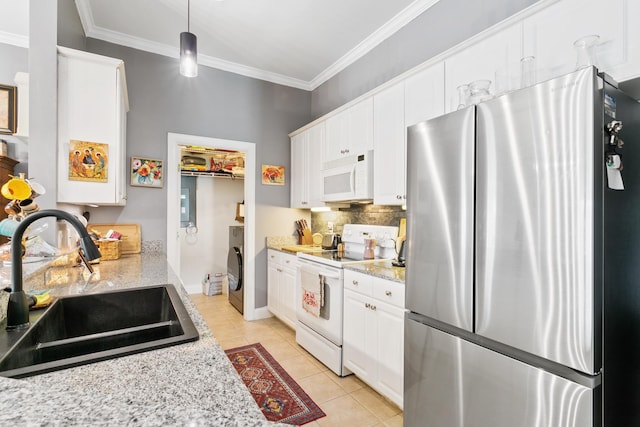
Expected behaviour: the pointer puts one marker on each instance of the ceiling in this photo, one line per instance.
(298, 43)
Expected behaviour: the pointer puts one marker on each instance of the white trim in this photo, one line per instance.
(391, 27)
(514, 19)
(174, 140)
(388, 29)
(14, 39)
(262, 313)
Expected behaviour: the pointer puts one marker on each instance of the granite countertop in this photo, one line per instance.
(187, 384)
(382, 269)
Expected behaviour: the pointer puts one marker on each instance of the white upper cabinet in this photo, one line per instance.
(350, 132)
(92, 106)
(418, 98)
(549, 35)
(424, 95)
(299, 187)
(389, 144)
(496, 55)
(306, 167)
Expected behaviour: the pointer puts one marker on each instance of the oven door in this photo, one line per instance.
(320, 286)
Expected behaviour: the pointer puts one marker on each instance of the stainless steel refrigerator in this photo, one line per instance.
(523, 260)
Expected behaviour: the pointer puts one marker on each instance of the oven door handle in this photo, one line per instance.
(324, 273)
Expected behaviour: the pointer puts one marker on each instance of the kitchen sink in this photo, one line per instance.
(82, 329)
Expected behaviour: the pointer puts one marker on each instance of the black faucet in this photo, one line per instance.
(18, 307)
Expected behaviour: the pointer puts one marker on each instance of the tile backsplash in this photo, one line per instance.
(357, 214)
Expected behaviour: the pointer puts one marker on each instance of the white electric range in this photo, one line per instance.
(320, 285)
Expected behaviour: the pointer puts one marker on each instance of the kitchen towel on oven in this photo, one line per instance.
(312, 293)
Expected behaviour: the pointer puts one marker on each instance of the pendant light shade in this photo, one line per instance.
(188, 54)
(188, 50)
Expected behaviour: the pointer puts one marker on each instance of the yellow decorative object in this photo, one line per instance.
(16, 189)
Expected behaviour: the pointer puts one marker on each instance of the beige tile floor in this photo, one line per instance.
(347, 401)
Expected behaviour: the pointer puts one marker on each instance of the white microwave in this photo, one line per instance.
(348, 178)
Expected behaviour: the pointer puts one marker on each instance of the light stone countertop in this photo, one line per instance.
(382, 269)
(187, 384)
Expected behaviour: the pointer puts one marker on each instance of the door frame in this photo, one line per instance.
(172, 175)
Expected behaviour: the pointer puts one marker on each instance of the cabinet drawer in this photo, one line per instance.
(274, 256)
(389, 292)
(361, 283)
(288, 261)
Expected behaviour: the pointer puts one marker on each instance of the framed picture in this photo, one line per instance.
(88, 161)
(146, 172)
(8, 109)
(272, 175)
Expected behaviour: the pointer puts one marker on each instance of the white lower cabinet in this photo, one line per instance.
(373, 337)
(281, 286)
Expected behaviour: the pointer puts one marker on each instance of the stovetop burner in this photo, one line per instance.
(353, 238)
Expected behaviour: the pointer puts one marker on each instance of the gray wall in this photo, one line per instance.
(70, 31)
(441, 27)
(216, 104)
(14, 59)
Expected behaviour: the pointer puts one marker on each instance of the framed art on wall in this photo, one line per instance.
(8, 109)
(88, 161)
(146, 172)
(272, 175)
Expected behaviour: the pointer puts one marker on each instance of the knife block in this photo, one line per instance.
(306, 238)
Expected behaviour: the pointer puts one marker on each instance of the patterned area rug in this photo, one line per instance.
(277, 394)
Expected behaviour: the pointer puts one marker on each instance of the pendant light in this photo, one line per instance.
(188, 50)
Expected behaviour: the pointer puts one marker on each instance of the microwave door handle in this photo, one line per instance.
(353, 179)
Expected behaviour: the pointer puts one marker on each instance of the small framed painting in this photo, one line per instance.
(146, 172)
(8, 109)
(272, 175)
(88, 161)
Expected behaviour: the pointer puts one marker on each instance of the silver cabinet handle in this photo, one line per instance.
(387, 293)
(373, 307)
(355, 282)
(367, 305)
(279, 270)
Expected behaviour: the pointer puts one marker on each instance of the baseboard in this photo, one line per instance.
(261, 313)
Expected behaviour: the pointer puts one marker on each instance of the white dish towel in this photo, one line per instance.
(312, 292)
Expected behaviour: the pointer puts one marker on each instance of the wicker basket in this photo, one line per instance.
(110, 249)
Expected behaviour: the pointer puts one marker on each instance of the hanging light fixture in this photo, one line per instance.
(188, 50)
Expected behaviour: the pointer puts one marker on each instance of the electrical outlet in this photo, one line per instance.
(330, 226)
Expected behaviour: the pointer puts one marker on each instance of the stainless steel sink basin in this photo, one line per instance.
(77, 330)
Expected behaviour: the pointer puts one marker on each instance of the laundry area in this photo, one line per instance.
(211, 220)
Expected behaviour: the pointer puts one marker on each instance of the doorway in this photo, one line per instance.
(173, 176)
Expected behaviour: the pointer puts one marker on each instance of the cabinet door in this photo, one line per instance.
(299, 171)
(314, 160)
(287, 296)
(498, 54)
(359, 340)
(273, 286)
(360, 127)
(389, 139)
(337, 135)
(91, 109)
(390, 351)
(549, 35)
(424, 95)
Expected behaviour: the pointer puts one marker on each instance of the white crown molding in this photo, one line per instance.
(388, 29)
(14, 39)
(407, 15)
